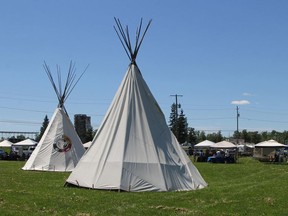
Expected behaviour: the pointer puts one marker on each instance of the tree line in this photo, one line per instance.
(179, 126)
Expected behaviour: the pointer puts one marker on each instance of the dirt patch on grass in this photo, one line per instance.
(179, 210)
(269, 201)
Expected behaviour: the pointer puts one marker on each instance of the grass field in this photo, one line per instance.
(246, 188)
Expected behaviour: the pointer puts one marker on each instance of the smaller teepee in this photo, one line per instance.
(60, 148)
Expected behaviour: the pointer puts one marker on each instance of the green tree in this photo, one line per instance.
(182, 128)
(89, 135)
(256, 137)
(244, 134)
(201, 136)
(215, 137)
(265, 136)
(192, 136)
(43, 128)
(178, 124)
(173, 119)
(284, 138)
(21, 137)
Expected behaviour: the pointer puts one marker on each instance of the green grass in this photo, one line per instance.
(246, 188)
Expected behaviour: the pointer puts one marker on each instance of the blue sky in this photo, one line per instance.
(217, 54)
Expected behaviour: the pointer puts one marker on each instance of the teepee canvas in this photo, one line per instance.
(134, 149)
(60, 148)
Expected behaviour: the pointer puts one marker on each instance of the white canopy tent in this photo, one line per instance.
(24, 146)
(26, 142)
(268, 150)
(6, 144)
(269, 144)
(134, 149)
(245, 149)
(204, 144)
(223, 145)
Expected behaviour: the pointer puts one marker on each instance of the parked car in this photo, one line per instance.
(2, 154)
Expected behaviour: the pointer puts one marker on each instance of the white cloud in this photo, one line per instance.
(240, 102)
(247, 94)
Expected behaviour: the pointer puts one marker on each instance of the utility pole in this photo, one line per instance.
(177, 106)
(238, 115)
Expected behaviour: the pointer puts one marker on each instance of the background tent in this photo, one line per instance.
(26, 142)
(201, 151)
(269, 144)
(223, 152)
(24, 148)
(6, 144)
(223, 145)
(134, 149)
(204, 144)
(270, 150)
(245, 149)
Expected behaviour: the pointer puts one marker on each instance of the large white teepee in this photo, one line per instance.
(134, 150)
(60, 147)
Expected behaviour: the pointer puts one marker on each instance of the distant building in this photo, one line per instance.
(82, 124)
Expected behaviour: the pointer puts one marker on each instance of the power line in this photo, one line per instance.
(280, 112)
(27, 110)
(22, 132)
(272, 121)
(20, 122)
(25, 99)
(208, 109)
(212, 118)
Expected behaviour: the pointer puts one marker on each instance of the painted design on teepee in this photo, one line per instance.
(62, 144)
